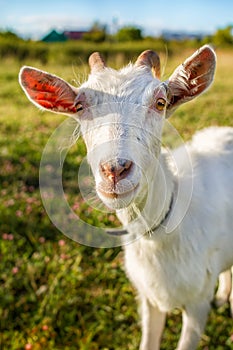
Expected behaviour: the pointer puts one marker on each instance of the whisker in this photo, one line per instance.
(164, 66)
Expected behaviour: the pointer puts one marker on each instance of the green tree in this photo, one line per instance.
(97, 33)
(9, 35)
(129, 33)
(223, 36)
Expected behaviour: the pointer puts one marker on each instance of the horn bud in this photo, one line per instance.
(96, 62)
(151, 60)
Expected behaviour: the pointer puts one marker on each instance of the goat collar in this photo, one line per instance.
(153, 229)
(122, 231)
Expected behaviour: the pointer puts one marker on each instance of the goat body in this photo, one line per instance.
(121, 115)
(180, 269)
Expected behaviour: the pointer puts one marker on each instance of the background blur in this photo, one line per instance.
(56, 294)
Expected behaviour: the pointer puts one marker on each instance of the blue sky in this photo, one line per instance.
(36, 18)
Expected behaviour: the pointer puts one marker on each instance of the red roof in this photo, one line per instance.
(74, 35)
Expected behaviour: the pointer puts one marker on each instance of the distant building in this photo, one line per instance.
(54, 36)
(182, 35)
(74, 35)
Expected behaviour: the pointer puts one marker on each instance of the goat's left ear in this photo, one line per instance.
(48, 91)
(191, 78)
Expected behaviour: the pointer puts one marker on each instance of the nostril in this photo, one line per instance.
(125, 165)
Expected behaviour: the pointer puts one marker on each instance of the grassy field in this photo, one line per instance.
(56, 294)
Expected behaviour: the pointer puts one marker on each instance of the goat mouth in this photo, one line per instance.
(113, 194)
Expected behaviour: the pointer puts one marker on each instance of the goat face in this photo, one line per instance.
(121, 114)
(122, 134)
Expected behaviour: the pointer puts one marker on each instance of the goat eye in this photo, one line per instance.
(160, 104)
(79, 107)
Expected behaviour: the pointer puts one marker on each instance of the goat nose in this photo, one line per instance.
(116, 170)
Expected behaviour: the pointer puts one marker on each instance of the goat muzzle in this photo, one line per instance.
(114, 171)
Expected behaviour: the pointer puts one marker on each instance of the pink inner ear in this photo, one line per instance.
(48, 91)
(201, 68)
(191, 78)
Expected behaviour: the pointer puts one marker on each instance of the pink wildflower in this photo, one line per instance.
(19, 213)
(41, 239)
(15, 270)
(61, 242)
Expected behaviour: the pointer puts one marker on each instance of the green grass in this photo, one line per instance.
(56, 294)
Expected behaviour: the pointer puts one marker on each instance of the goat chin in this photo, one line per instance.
(118, 200)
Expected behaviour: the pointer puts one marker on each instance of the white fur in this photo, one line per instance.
(176, 269)
(181, 269)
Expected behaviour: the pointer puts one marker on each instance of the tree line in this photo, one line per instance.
(125, 43)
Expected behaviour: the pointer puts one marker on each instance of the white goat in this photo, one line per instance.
(121, 114)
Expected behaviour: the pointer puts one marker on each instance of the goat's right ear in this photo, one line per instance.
(47, 91)
(191, 78)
